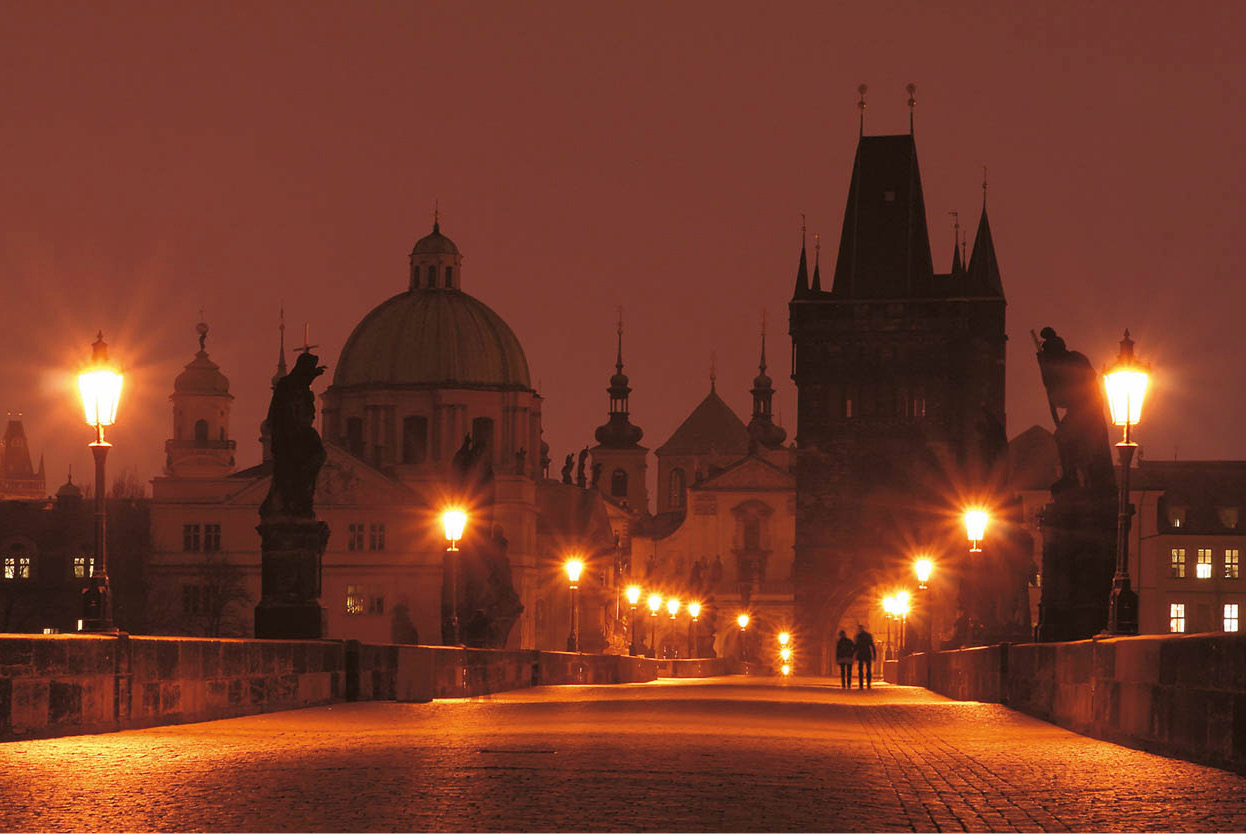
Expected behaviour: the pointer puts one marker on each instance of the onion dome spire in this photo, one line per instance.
(618, 432)
(761, 429)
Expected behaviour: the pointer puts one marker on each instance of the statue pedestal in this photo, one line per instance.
(1079, 559)
(291, 553)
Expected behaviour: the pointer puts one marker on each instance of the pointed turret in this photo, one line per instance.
(802, 271)
(958, 266)
(618, 432)
(817, 271)
(618, 450)
(983, 277)
(761, 429)
(18, 479)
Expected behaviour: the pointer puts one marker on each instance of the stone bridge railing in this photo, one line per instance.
(54, 685)
(1177, 695)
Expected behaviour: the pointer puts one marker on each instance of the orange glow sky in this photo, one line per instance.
(166, 157)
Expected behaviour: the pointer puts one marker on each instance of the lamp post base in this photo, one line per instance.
(1122, 608)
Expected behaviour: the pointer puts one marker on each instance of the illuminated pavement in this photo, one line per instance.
(722, 755)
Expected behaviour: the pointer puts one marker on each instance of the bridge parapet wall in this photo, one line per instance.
(1177, 695)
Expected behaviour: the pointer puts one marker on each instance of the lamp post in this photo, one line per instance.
(889, 608)
(694, 609)
(100, 387)
(672, 608)
(655, 605)
(923, 568)
(902, 611)
(633, 597)
(574, 568)
(742, 621)
(1126, 383)
(976, 520)
(454, 521)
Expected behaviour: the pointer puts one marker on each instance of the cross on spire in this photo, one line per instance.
(306, 347)
(713, 369)
(861, 106)
(912, 91)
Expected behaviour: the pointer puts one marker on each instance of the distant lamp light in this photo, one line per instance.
(694, 609)
(574, 568)
(784, 638)
(633, 594)
(655, 603)
(454, 521)
(742, 621)
(786, 670)
(889, 606)
(1126, 383)
(902, 604)
(672, 607)
(785, 653)
(975, 528)
(923, 568)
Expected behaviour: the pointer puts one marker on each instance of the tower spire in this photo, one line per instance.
(761, 428)
(802, 271)
(618, 364)
(817, 258)
(957, 264)
(912, 91)
(984, 188)
(861, 108)
(436, 216)
(713, 370)
(281, 346)
(762, 366)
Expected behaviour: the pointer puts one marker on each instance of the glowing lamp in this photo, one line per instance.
(889, 606)
(786, 670)
(454, 521)
(784, 638)
(574, 567)
(975, 528)
(633, 594)
(672, 607)
(694, 609)
(902, 603)
(785, 653)
(100, 387)
(923, 569)
(655, 603)
(742, 621)
(1126, 383)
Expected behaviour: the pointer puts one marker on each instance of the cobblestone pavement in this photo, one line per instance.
(729, 754)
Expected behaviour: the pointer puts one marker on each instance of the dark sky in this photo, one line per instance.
(164, 157)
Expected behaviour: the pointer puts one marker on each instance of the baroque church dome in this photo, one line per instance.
(434, 334)
(202, 375)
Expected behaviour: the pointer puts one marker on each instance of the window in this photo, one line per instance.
(1228, 517)
(679, 483)
(84, 566)
(211, 538)
(1230, 616)
(449, 277)
(919, 402)
(16, 566)
(201, 432)
(354, 600)
(850, 403)
(1176, 617)
(618, 483)
(376, 536)
(1176, 516)
(354, 537)
(432, 276)
(752, 534)
(10, 567)
(1230, 563)
(1177, 564)
(190, 538)
(1202, 570)
(414, 439)
(354, 436)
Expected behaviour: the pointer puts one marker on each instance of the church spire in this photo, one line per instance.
(761, 428)
(618, 431)
(957, 265)
(281, 349)
(983, 269)
(802, 271)
(817, 258)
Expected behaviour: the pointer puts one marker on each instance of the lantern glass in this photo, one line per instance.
(1126, 387)
(633, 594)
(784, 637)
(101, 394)
(902, 603)
(655, 602)
(889, 606)
(694, 608)
(975, 524)
(454, 521)
(923, 569)
(742, 621)
(672, 606)
(574, 567)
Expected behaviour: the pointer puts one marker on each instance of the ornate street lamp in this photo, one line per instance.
(574, 568)
(672, 608)
(742, 620)
(1126, 383)
(975, 528)
(454, 520)
(655, 605)
(633, 598)
(889, 608)
(100, 387)
(923, 568)
(902, 611)
(694, 610)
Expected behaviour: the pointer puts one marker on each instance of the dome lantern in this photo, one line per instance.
(435, 262)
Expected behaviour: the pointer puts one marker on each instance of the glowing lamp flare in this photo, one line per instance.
(574, 567)
(923, 568)
(655, 603)
(1126, 383)
(454, 521)
(633, 594)
(784, 638)
(100, 387)
(889, 606)
(786, 670)
(785, 653)
(742, 621)
(902, 603)
(672, 607)
(694, 608)
(975, 528)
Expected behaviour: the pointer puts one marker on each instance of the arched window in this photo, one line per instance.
(201, 432)
(679, 484)
(618, 484)
(482, 435)
(432, 276)
(449, 277)
(414, 439)
(354, 436)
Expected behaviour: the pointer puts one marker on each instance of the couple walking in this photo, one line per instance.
(861, 649)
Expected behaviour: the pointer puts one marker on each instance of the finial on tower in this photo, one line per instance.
(618, 363)
(763, 341)
(984, 187)
(817, 263)
(802, 230)
(713, 370)
(861, 90)
(911, 89)
(436, 216)
(202, 329)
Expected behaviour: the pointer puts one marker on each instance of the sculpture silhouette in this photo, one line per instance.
(567, 466)
(1081, 434)
(298, 453)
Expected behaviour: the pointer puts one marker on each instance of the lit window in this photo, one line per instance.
(1230, 616)
(190, 538)
(1203, 569)
(211, 538)
(23, 567)
(1176, 617)
(10, 567)
(1176, 516)
(1231, 563)
(354, 599)
(1177, 569)
(83, 566)
(354, 537)
(376, 537)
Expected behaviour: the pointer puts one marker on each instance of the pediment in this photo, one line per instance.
(344, 480)
(750, 473)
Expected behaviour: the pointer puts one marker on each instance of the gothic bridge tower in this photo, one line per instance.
(900, 396)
